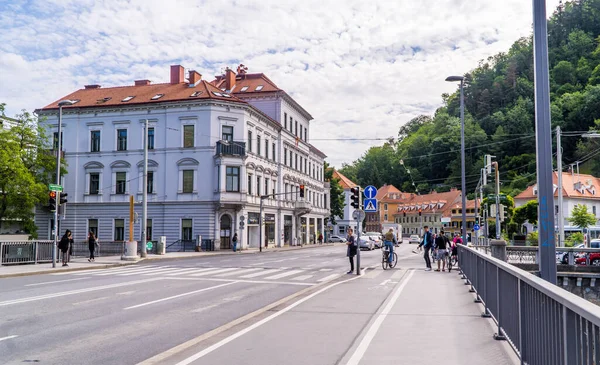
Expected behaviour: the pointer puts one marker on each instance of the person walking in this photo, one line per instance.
(92, 242)
(234, 240)
(65, 242)
(441, 244)
(351, 252)
(389, 241)
(427, 243)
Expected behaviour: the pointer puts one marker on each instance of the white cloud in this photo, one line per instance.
(372, 64)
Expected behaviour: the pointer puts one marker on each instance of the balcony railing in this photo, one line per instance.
(231, 148)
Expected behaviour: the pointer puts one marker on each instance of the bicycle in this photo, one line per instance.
(385, 254)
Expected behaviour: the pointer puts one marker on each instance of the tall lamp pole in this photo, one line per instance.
(57, 199)
(543, 141)
(145, 191)
(462, 154)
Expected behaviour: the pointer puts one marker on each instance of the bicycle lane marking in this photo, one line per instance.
(374, 328)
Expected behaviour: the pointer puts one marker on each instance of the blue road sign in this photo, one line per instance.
(476, 227)
(370, 192)
(370, 205)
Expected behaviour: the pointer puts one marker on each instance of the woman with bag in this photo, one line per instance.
(351, 252)
(92, 243)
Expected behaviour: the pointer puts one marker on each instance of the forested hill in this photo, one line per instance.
(499, 115)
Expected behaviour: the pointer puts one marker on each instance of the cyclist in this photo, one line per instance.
(441, 243)
(389, 241)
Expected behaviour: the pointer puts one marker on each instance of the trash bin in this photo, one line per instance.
(161, 245)
(198, 247)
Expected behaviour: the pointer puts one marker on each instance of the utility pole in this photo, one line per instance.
(561, 219)
(145, 191)
(483, 181)
(498, 227)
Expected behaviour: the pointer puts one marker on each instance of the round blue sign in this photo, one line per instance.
(476, 227)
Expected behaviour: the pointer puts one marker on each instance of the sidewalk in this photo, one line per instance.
(81, 263)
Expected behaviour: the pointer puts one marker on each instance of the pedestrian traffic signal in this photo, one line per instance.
(477, 220)
(355, 197)
(302, 191)
(63, 198)
(419, 212)
(52, 200)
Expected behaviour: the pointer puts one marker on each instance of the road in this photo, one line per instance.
(270, 308)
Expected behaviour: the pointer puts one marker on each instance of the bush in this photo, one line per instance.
(574, 239)
(532, 238)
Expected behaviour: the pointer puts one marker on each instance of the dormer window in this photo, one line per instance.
(217, 93)
(127, 99)
(259, 88)
(103, 100)
(195, 94)
(157, 96)
(244, 89)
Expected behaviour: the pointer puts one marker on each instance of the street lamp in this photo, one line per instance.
(462, 154)
(58, 150)
(144, 252)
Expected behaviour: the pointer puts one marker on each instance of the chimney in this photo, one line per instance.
(194, 77)
(177, 74)
(142, 82)
(229, 79)
(92, 86)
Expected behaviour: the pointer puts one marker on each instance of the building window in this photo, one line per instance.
(594, 210)
(232, 181)
(286, 191)
(95, 138)
(291, 124)
(285, 156)
(266, 148)
(296, 161)
(385, 207)
(296, 133)
(342, 229)
(186, 229)
(301, 131)
(258, 185)
(249, 184)
(119, 230)
(121, 182)
(285, 120)
(150, 186)
(305, 167)
(249, 141)
(121, 139)
(305, 133)
(385, 216)
(55, 141)
(273, 151)
(94, 183)
(148, 229)
(258, 145)
(93, 227)
(188, 136)
(227, 134)
(188, 181)
(151, 138)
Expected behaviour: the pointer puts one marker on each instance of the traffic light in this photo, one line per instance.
(63, 198)
(419, 212)
(355, 197)
(52, 200)
(302, 191)
(404, 214)
(477, 220)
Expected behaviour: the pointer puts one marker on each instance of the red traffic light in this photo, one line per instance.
(52, 194)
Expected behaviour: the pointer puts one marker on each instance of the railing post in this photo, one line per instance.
(521, 341)
(571, 258)
(498, 336)
(35, 252)
(498, 248)
(486, 312)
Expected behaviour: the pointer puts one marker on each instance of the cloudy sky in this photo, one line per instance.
(361, 68)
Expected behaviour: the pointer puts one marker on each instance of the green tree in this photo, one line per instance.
(527, 212)
(336, 195)
(26, 168)
(581, 218)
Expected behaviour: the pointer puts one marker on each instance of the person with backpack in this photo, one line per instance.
(427, 244)
(234, 240)
(441, 245)
(352, 248)
(389, 242)
(65, 243)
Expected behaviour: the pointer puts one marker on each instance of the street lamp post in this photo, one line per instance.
(57, 200)
(462, 153)
(145, 192)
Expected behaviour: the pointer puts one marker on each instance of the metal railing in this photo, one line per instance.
(108, 248)
(544, 324)
(25, 252)
(231, 148)
(530, 254)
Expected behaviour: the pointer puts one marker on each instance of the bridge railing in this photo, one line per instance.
(530, 254)
(545, 324)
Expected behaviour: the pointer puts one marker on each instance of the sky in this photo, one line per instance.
(361, 68)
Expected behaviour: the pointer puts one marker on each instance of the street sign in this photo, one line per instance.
(370, 192)
(149, 245)
(358, 214)
(476, 227)
(370, 205)
(54, 187)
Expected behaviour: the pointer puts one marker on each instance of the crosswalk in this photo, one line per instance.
(222, 273)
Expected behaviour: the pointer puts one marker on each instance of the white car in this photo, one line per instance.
(334, 239)
(414, 239)
(366, 243)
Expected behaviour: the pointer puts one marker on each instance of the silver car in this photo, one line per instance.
(336, 239)
(366, 243)
(414, 239)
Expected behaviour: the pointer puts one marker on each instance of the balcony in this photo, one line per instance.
(303, 207)
(231, 148)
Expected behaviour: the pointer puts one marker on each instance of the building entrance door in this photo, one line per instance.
(225, 232)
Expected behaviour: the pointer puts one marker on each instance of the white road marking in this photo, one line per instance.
(330, 277)
(227, 340)
(86, 272)
(284, 274)
(385, 282)
(53, 282)
(302, 277)
(121, 271)
(245, 281)
(91, 300)
(8, 337)
(397, 275)
(240, 272)
(216, 271)
(182, 272)
(71, 292)
(160, 271)
(179, 295)
(326, 270)
(260, 273)
(366, 341)
(142, 271)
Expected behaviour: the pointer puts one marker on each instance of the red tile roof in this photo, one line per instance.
(345, 183)
(588, 186)
(383, 191)
(251, 81)
(430, 202)
(113, 96)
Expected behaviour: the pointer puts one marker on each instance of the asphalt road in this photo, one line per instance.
(130, 314)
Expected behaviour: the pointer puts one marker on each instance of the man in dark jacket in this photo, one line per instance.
(65, 242)
(427, 244)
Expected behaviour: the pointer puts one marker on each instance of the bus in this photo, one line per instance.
(593, 232)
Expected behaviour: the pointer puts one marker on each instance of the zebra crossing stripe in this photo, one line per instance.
(302, 277)
(330, 277)
(160, 271)
(326, 270)
(260, 273)
(216, 271)
(114, 272)
(182, 272)
(139, 272)
(244, 271)
(283, 275)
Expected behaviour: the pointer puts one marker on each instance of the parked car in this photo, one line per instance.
(563, 257)
(414, 239)
(594, 257)
(336, 239)
(375, 237)
(366, 243)
(595, 243)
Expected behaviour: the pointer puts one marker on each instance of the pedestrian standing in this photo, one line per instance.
(92, 242)
(427, 244)
(64, 245)
(351, 252)
(441, 244)
(234, 240)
